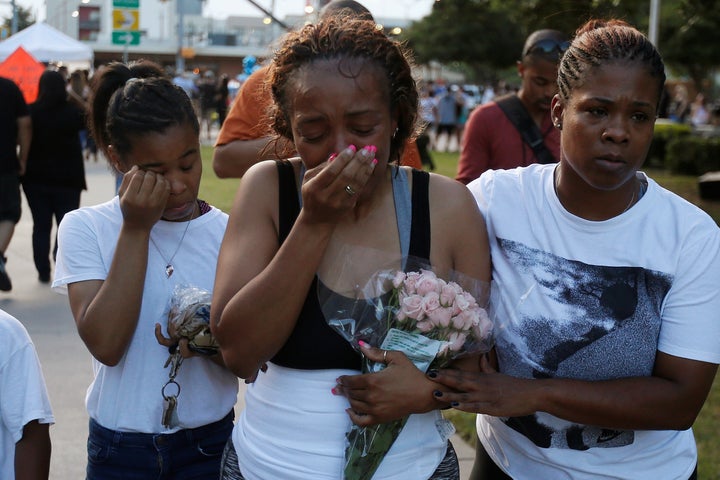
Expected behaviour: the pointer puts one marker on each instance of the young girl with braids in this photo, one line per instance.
(345, 96)
(119, 263)
(608, 284)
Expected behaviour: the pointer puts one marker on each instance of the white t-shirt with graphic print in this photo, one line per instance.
(595, 300)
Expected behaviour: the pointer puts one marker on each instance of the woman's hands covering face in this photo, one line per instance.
(331, 190)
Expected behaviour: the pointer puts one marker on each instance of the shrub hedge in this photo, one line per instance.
(676, 148)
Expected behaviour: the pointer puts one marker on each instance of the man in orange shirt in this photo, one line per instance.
(245, 134)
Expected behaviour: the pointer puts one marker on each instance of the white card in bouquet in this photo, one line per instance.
(419, 349)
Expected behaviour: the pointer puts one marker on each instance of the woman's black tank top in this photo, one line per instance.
(313, 345)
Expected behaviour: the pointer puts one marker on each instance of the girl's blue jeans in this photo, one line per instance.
(184, 455)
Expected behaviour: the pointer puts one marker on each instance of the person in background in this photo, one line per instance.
(78, 93)
(679, 109)
(152, 415)
(186, 81)
(492, 139)
(55, 173)
(245, 135)
(463, 111)
(428, 111)
(607, 354)
(290, 223)
(207, 99)
(15, 137)
(699, 114)
(221, 98)
(25, 411)
(447, 107)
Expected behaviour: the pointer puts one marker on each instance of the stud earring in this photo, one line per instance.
(558, 125)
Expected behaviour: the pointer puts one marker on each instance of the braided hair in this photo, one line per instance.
(348, 40)
(599, 42)
(132, 100)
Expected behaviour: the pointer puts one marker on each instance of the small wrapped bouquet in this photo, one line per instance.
(431, 320)
(189, 317)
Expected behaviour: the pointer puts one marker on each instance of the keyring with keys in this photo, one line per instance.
(169, 416)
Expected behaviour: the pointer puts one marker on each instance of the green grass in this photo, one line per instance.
(220, 193)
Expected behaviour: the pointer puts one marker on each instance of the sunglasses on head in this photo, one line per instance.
(547, 46)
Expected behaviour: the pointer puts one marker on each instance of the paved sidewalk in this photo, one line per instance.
(66, 363)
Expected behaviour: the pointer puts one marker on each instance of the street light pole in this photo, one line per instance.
(14, 22)
(654, 21)
(179, 59)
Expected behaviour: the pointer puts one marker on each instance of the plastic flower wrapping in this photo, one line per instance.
(189, 317)
(432, 320)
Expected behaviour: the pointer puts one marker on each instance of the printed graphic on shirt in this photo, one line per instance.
(574, 320)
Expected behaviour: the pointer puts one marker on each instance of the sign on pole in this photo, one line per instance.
(126, 22)
(126, 4)
(126, 19)
(125, 38)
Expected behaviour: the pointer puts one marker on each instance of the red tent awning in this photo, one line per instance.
(25, 71)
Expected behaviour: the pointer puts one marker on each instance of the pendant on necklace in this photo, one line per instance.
(169, 270)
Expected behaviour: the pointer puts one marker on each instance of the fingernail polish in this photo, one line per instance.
(438, 393)
(374, 161)
(454, 404)
(432, 374)
(332, 157)
(362, 344)
(352, 148)
(334, 391)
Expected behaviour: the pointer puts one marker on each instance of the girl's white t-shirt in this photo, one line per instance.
(128, 396)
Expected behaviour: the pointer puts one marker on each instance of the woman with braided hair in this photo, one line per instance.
(345, 97)
(119, 263)
(607, 284)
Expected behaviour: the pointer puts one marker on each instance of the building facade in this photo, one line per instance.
(175, 33)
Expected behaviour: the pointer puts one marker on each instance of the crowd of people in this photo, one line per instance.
(602, 357)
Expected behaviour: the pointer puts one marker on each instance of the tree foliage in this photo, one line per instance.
(488, 34)
(485, 38)
(25, 19)
(689, 39)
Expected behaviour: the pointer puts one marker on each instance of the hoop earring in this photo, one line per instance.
(395, 133)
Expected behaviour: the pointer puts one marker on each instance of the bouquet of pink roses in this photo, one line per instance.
(431, 320)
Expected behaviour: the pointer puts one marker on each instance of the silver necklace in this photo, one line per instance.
(627, 207)
(630, 203)
(169, 269)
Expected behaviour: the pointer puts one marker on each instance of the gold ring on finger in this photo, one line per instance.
(385, 356)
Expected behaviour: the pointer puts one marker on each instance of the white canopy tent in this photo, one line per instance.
(47, 45)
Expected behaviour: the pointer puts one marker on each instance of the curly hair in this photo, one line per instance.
(132, 100)
(348, 40)
(599, 42)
